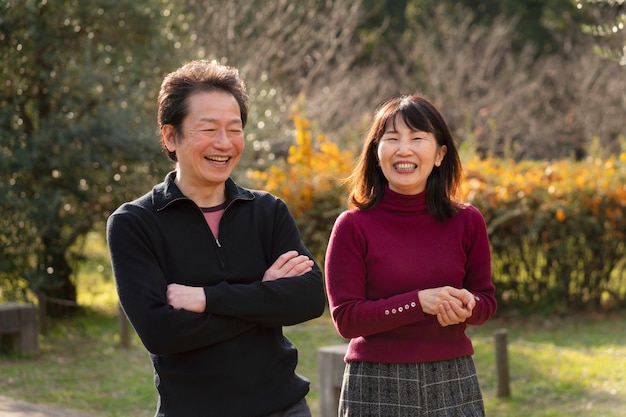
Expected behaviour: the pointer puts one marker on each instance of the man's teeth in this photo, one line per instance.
(405, 166)
(218, 158)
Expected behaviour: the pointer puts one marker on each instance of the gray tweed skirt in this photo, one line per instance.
(434, 389)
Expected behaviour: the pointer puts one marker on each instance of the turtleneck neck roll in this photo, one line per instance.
(410, 204)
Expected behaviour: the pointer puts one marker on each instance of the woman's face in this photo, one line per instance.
(407, 157)
(212, 141)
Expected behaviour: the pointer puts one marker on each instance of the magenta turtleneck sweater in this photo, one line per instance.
(378, 260)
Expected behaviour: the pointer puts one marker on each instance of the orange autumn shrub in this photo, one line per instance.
(309, 181)
(556, 229)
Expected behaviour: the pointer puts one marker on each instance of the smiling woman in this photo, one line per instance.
(407, 269)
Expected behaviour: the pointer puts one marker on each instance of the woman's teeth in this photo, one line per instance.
(405, 167)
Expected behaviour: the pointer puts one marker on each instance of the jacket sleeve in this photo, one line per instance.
(282, 302)
(141, 284)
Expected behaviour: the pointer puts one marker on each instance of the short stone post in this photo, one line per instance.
(330, 367)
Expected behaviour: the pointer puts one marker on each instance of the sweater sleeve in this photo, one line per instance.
(282, 302)
(353, 313)
(141, 284)
(478, 279)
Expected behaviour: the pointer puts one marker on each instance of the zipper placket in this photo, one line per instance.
(220, 253)
(220, 249)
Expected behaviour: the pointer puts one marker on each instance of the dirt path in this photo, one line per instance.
(17, 408)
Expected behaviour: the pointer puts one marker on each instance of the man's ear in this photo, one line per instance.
(168, 136)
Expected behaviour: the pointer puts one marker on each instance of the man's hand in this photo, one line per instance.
(450, 305)
(186, 297)
(289, 264)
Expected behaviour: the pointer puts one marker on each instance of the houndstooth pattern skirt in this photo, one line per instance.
(433, 389)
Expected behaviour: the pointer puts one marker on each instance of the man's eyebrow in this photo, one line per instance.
(214, 120)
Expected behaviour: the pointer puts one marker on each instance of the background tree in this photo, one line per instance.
(540, 22)
(77, 108)
(76, 121)
(609, 26)
(286, 50)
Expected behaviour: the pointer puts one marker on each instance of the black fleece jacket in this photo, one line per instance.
(232, 360)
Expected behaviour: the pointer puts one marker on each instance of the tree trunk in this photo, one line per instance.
(59, 290)
(61, 300)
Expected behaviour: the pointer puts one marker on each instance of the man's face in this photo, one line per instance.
(212, 140)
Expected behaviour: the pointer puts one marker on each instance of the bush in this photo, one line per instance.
(556, 230)
(309, 181)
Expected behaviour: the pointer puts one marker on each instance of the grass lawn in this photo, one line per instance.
(563, 366)
(571, 366)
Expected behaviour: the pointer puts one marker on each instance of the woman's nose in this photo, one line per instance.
(404, 146)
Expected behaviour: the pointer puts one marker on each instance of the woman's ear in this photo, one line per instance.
(441, 153)
(168, 136)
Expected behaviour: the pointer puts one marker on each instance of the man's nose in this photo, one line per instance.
(222, 140)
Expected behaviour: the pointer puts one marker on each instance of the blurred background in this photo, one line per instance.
(534, 90)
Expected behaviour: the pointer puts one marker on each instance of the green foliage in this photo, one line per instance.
(539, 22)
(79, 81)
(268, 137)
(609, 27)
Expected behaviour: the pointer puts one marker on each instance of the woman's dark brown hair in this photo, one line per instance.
(367, 181)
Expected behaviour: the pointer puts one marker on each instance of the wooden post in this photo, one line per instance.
(330, 368)
(503, 386)
(43, 312)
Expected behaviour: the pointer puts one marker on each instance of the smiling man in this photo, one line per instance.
(208, 272)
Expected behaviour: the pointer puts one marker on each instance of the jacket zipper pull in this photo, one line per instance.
(219, 252)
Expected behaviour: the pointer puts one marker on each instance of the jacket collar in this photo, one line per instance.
(167, 192)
